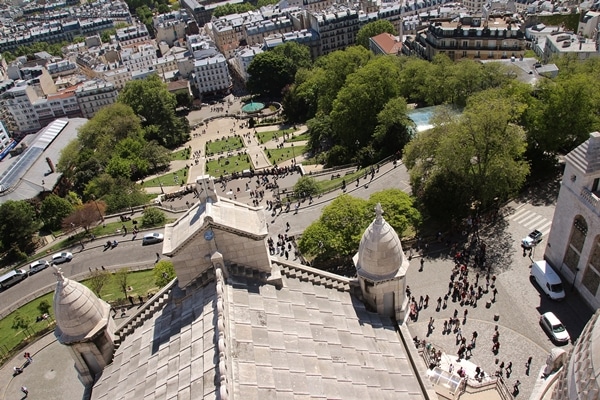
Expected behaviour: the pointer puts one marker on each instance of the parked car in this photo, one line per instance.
(60, 258)
(532, 239)
(554, 328)
(152, 238)
(37, 266)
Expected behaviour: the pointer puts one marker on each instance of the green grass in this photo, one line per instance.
(141, 282)
(278, 155)
(331, 184)
(11, 338)
(228, 165)
(180, 155)
(220, 146)
(167, 179)
(299, 138)
(264, 137)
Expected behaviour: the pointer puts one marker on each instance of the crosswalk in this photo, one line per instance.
(531, 220)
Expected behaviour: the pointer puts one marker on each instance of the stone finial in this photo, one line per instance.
(58, 273)
(378, 214)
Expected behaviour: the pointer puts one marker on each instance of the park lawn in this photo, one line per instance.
(278, 155)
(167, 179)
(141, 282)
(221, 146)
(299, 138)
(236, 164)
(180, 154)
(332, 184)
(11, 338)
(264, 137)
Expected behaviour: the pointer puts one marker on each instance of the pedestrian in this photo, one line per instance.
(426, 301)
(445, 301)
(422, 263)
(451, 368)
(140, 298)
(28, 357)
(528, 364)
(474, 338)
(494, 292)
(287, 226)
(131, 299)
(516, 387)
(465, 315)
(439, 303)
(459, 334)
(24, 390)
(421, 300)
(157, 257)
(509, 368)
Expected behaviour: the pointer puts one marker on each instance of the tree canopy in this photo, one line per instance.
(53, 210)
(272, 70)
(475, 159)
(155, 105)
(334, 238)
(373, 29)
(17, 225)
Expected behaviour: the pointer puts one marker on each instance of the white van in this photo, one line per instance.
(12, 277)
(548, 280)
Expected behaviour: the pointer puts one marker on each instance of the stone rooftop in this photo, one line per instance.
(305, 340)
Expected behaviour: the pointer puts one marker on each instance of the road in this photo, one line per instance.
(127, 253)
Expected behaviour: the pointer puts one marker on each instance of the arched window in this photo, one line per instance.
(578, 234)
(591, 274)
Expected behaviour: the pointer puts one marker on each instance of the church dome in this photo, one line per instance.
(79, 312)
(380, 254)
(579, 379)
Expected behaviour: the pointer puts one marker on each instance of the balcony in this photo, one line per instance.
(591, 199)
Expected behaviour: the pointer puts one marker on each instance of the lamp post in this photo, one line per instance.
(98, 208)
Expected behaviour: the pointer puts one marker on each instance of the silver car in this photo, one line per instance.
(151, 238)
(63, 257)
(37, 266)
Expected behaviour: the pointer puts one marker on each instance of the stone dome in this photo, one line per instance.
(380, 254)
(579, 379)
(78, 311)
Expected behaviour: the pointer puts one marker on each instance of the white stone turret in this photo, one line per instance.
(381, 267)
(84, 324)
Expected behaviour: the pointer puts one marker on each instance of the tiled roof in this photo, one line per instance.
(586, 156)
(302, 340)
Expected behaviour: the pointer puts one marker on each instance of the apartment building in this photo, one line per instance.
(211, 75)
(7, 143)
(61, 104)
(306, 37)
(242, 58)
(256, 32)
(166, 67)
(558, 44)
(228, 31)
(170, 27)
(61, 68)
(20, 114)
(139, 57)
(117, 77)
(336, 26)
(93, 95)
(471, 37)
(132, 34)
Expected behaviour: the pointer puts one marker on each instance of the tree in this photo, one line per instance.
(164, 272)
(478, 155)
(54, 209)
(271, 71)
(157, 155)
(17, 225)
(306, 186)
(21, 322)
(84, 216)
(398, 207)
(394, 128)
(153, 217)
(155, 105)
(98, 280)
(336, 234)
(355, 110)
(44, 307)
(334, 238)
(373, 29)
(121, 279)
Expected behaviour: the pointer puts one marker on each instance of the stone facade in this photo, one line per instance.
(573, 246)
